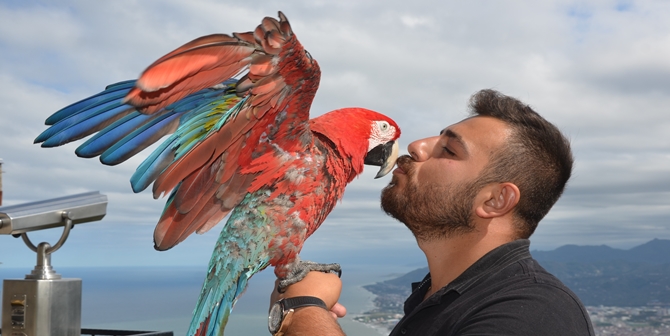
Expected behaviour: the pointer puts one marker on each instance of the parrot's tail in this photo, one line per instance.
(202, 331)
(240, 252)
(213, 323)
(207, 328)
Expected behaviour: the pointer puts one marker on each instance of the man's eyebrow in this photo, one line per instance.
(451, 134)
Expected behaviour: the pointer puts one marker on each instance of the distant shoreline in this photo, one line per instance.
(379, 317)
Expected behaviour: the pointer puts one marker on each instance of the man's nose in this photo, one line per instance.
(420, 150)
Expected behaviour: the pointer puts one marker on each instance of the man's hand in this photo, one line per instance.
(325, 286)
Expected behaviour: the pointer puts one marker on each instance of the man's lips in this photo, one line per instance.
(404, 165)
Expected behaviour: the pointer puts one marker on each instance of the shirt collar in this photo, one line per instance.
(491, 263)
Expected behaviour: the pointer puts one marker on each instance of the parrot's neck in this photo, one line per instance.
(342, 163)
(342, 131)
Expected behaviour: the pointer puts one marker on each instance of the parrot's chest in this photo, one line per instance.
(297, 190)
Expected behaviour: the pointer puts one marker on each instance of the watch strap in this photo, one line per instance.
(288, 307)
(303, 301)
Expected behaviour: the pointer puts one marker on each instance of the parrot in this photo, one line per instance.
(239, 143)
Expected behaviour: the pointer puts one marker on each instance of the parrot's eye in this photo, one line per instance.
(383, 126)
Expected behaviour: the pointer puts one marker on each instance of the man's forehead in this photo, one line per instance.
(480, 130)
(452, 126)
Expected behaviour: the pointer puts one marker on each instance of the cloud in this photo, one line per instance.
(414, 21)
(598, 71)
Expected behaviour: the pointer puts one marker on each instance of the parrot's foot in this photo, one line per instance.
(301, 269)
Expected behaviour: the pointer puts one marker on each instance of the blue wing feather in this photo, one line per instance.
(153, 165)
(121, 85)
(123, 131)
(82, 124)
(107, 137)
(123, 127)
(194, 128)
(111, 90)
(137, 140)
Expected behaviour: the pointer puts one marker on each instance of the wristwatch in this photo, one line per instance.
(281, 312)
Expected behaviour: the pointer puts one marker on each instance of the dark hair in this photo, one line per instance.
(537, 157)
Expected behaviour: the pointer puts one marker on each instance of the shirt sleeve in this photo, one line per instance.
(541, 309)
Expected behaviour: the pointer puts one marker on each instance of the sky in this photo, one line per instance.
(599, 70)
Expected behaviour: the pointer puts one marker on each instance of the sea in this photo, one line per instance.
(162, 298)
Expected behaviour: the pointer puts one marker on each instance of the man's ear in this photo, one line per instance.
(499, 199)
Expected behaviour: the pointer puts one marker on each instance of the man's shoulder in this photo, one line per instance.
(528, 277)
(517, 297)
(527, 297)
(529, 272)
(538, 308)
(538, 285)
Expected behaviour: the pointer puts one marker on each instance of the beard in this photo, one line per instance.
(430, 212)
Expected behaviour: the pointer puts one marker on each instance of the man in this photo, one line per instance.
(472, 196)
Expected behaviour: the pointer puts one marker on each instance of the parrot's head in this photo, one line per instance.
(364, 136)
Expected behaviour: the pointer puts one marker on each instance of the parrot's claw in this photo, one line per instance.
(299, 272)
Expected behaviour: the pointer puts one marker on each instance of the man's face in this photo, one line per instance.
(433, 189)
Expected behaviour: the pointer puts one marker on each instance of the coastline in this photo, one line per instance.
(378, 318)
(388, 300)
(360, 301)
(377, 315)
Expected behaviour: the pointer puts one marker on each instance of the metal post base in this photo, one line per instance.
(41, 307)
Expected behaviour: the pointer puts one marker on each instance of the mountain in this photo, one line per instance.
(615, 283)
(398, 286)
(599, 275)
(656, 251)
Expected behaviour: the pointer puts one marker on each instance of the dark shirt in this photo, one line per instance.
(506, 292)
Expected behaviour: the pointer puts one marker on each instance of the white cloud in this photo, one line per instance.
(415, 21)
(600, 72)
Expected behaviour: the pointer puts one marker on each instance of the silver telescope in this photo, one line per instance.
(44, 303)
(40, 215)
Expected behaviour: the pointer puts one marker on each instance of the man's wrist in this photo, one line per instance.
(282, 311)
(311, 320)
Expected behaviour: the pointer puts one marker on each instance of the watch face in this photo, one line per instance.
(274, 320)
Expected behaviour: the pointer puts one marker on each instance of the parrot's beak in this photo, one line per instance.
(383, 155)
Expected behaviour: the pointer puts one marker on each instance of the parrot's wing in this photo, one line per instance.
(210, 179)
(209, 60)
(188, 93)
(123, 131)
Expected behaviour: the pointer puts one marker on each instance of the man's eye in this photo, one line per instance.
(448, 151)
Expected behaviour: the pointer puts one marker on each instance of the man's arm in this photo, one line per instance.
(315, 320)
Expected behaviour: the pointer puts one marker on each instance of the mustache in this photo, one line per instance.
(406, 164)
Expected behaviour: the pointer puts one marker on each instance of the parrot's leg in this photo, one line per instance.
(300, 270)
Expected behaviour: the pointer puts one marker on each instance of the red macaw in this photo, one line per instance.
(242, 141)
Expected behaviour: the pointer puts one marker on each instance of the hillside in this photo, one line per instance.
(599, 275)
(655, 251)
